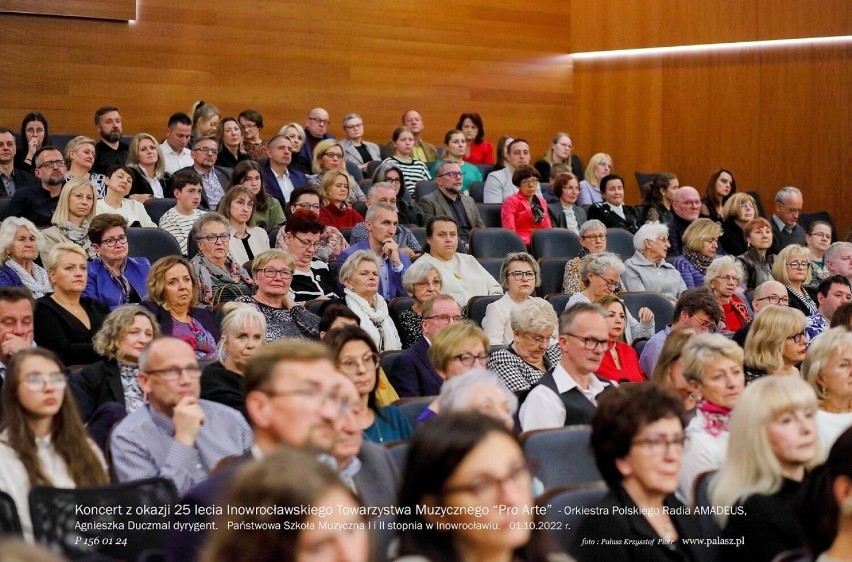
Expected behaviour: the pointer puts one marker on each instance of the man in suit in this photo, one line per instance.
(16, 325)
(412, 373)
(11, 179)
(449, 200)
(786, 229)
(39, 203)
(214, 179)
(686, 207)
(316, 130)
(280, 180)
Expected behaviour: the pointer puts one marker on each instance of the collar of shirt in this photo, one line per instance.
(353, 468)
(565, 382)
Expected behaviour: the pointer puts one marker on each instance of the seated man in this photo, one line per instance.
(39, 203)
(786, 229)
(383, 192)
(831, 293)
(838, 259)
(768, 292)
(214, 179)
(176, 435)
(16, 325)
(178, 221)
(11, 178)
(449, 200)
(685, 209)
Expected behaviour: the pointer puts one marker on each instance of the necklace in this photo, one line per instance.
(72, 308)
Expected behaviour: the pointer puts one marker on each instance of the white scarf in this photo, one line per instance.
(375, 320)
(38, 283)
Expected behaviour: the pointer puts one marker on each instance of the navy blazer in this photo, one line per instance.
(102, 287)
(271, 183)
(396, 290)
(413, 374)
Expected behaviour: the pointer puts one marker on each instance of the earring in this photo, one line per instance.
(846, 507)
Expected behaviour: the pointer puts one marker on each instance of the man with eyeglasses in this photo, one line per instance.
(567, 394)
(11, 178)
(316, 130)
(786, 229)
(38, 203)
(768, 292)
(831, 293)
(384, 192)
(498, 185)
(686, 207)
(214, 179)
(413, 373)
(176, 435)
(838, 259)
(279, 178)
(449, 200)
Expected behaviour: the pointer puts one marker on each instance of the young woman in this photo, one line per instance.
(205, 120)
(738, 211)
(74, 213)
(118, 185)
(336, 211)
(414, 170)
(230, 138)
(247, 240)
(478, 150)
(600, 165)
(720, 187)
(34, 135)
(658, 197)
(146, 161)
(561, 151)
(295, 133)
(268, 213)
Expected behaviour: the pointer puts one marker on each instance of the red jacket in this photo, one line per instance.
(517, 215)
(339, 218)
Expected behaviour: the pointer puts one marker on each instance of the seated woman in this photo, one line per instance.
(647, 269)
(220, 278)
(620, 363)
(328, 157)
(356, 356)
(723, 277)
(668, 371)
(776, 343)
(739, 210)
(561, 151)
(720, 187)
(593, 241)
(74, 212)
(712, 367)
(757, 266)
(246, 240)
(267, 212)
(460, 460)
(591, 190)
(532, 352)
(336, 210)
(817, 240)
(637, 438)
(359, 276)
(34, 135)
(80, 156)
(413, 170)
(272, 272)
(700, 243)
(455, 146)
(792, 267)
(331, 241)
(479, 390)
(828, 367)
(519, 275)
(205, 119)
(243, 331)
(115, 201)
(478, 150)
(65, 322)
(147, 165)
(356, 150)
(229, 135)
(565, 213)
(251, 123)
(295, 133)
(409, 211)
(612, 211)
(312, 278)
(42, 439)
(657, 199)
(462, 276)
(114, 278)
(773, 443)
(20, 243)
(173, 292)
(526, 210)
(421, 281)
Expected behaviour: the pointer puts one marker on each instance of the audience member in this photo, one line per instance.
(786, 229)
(479, 390)
(267, 212)
(229, 135)
(336, 210)
(768, 292)
(818, 239)
(247, 240)
(359, 276)
(80, 155)
(421, 281)
(620, 363)
(205, 119)
(20, 243)
(11, 178)
(842, 316)
(478, 150)
(600, 165)
(280, 179)
(668, 372)
(328, 157)
(611, 210)
(647, 269)
(110, 150)
(561, 151)
(38, 203)
(176, 155)
(413, 170)
(331, 241)
(723, 276)
(409, 211)
(739, 210)
(299, 162)
(792, 267)
(16, 325)
(838, 259)
(316, 130)
(828, 367)
(831, 293)
(422, 150)
(502, 155)
(251, 123)
(593, 241)
(686, 206)
(312, 277)
(34, 135)
(148, 165)
(519, 276)
(355, 149)
(386, 193)
(700, 244)
(526, 210)
(455, 146)
(720, 187)
(178, 221)
(214, 179)
(756, 263)
(115, 201)
(498, 185)
(658, 197)
(565, 213)
(220, 278)
(776, 343)
(114, 278)
(449, 201)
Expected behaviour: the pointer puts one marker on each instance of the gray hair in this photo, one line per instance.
(598, 264)
(442, 167)
(373, 194)
(820, 353)
(349, 117)
(417, 273)
(374, 209)
(457, 392)
(830, 253)
(237, 315)
(715, 268)
(521, 257)
(533, 315)
(703, 350)
(649, 231)
(785, 192)
(593, 224)
(204, 219)
(355, 258)
(9, 227)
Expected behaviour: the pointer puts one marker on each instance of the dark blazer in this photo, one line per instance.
(97, 384)
(164, 318)
(272, 188)
(378, 479)
(33, 203)
(436, 204)
(219, 384)
(307, 147)
(101, 286)
(61, 332)
(396, 289)
(227, 160)
(21, 179)
(142, 187)
(557, 217)
(603, 212)
(413, 374)
(733, 240)
(596, 528)
(224, 175)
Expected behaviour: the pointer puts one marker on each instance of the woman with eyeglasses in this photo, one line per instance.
(637, 438)
(620, 363)
(359, 276)
(647, 269)
(455, 146)
(336, 210)
(329, 157)
(295, 133)
(591, 191)
(612, 211)
(267, 212)
(738, 211)
(413, 170)
(34, 135)
(118, 185)
(355, 149)
(390, 172)
(593, 241)
(115, 278)
(422, 282)
(792, 267)
(331, 240)
(756, 264)
(74, 212)
(713, 370)
(247, 240)
(776, 343)
(526, 210)
(220, 278)
(818, 239)
(312, 278)
(20, 242)
(519, 275)
(251, 124)
(565, 213)
(700, 243)
(148, 166)
(272, 272)
(229, 136)
(80, 156)
(723, 277)
(356, 356)
(42, 439)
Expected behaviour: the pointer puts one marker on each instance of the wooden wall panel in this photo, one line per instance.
(122, 10)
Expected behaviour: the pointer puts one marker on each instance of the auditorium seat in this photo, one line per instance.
(494, 242)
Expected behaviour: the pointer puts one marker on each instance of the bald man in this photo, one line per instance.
(768, 292)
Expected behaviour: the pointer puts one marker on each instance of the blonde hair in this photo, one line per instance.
(237, 315)
(703, 350)
(320, 149)
(593, 163)
(700, 230)
(765, 340)
(824, 349)
(264, 258)
(731, 208)
(133, 153)
(108, 339)
(779, 268)
(60, 215)
(327, 181)
(75, 144)
(450, 341)
(60, 250)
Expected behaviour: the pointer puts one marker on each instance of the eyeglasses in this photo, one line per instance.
(446, 318)
(318, 120)
(518, 275)
(590, 344)
(728, 278)
(469, 359)
(353, 126)
(824, 235)
(333, 155)
(451, 174)
(690, 203)
(307, 243)
(350, 365)
(35, 382)
(660, 444)
(306, 206)
(746, 206)
(208, 151)
(774, 300)
(530, 182)
(487, 488)
(271, 272)
(793, 211)
(706, 325)
(172, 374)
(537, 340)
(396, 181)
(609, 282)
(113, 241)
(316, 397)
(213, 238)
(801, 337)
(594, 237)
(52, 164)
(799, 264)
(422, 284)
(249, 126)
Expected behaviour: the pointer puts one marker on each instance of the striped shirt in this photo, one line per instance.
(413, 172)
(179, 225)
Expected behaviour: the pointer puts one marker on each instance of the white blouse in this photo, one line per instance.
(132, 210)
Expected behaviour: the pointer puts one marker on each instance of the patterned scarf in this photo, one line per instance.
(700, 261)
(716, 418)
(133, 398)
(38, 283)
(79, 235)
(740, 310)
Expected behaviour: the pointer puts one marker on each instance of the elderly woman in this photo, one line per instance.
(229, 135)
(612, 211)
(455, 146)
(251, 123)
(720, 187)
(757, 266)
(739, 210)
(620, 363)
(114, 278)
(600, 276)
(413, 170)
(359, 276)
(267, 212)
(668, 371)
(220, 278)
(773, 444)
(173, 292)
(312, 278)
(66, 321)
(335, 197)
(329, 157)
(828, 368)
(637, 438)
(295, 133)
(818, 239)
(272, 272)
(20, 242)
(148, 167)
(560, 152)
(356, 356)
(390, 172)
(593, 241)
(713, 369)
(723, 276)
(462, 277)
(478, 150)
(647, 269)
(657, 199)
(421, 281)
(591, 192)
(532, 352)
(700, 242)
(526, 210)
(479, 390)
(565, 213)
(247, 240)
(331, 241)
(519, 275)
(74, 212)
(355, 149)
(243, 331)
(776, 343)
(792, 267)
(80, 156)
(119, 180)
